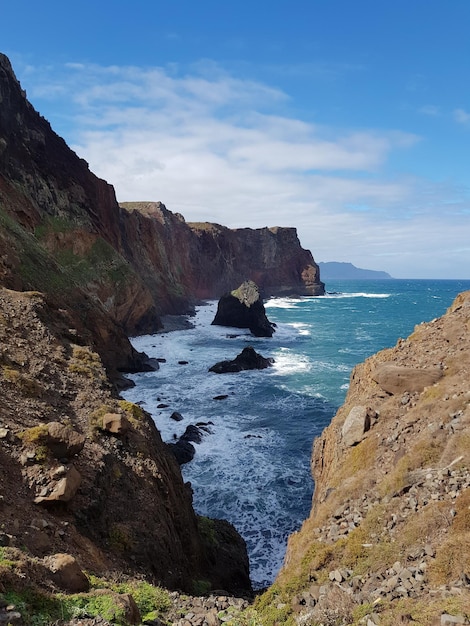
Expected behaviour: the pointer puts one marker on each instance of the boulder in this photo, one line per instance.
(355, 425)
(248, 359)
(183, 451)
(115, 423)
(244, 308)
(64, 490)
(63, 441)
(66, 573)
(395, 379)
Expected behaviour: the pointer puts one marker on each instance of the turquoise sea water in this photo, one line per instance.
(252, 468)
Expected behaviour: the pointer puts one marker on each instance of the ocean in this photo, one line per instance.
(253, 464)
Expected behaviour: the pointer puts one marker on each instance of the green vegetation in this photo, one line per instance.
(6, 559)
(54, 224)
(42, 609)
(95, 419)
(206, 527)
(133, 411)
(85, 361)
(38, 609)
(34, 435)
(274, 607)
(27, 385)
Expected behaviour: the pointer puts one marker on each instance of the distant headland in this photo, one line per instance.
(347, 271)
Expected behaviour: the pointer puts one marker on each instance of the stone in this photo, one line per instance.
(244, 308)
(395, 379)
(64, 490)
(450, 620)
(115, 423)
(248, 359)
(355, 425)
(11, 618)
(63, 441)
(176, 416)
(66, 573)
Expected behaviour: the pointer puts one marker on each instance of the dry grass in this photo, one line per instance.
(85, 361)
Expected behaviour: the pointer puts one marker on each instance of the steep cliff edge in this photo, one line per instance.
(184, 262)
(63, 233)
(86, 473)
(389, 533)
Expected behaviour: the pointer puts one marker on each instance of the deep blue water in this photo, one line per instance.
(253, 468)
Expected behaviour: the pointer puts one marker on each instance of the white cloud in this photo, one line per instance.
(462, 117)
(218, 148)
(430, 109)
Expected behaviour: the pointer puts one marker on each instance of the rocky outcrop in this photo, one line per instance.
(389, 530)
(248, 359)
(85, 473)
(244, 308)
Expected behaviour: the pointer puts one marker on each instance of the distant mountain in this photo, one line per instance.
(348, 271)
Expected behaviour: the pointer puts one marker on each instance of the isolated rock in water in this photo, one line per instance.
(396, 379)
(183, 449)
(248, 359)
(244, 308)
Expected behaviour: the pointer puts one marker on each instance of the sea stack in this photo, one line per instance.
(244, 308)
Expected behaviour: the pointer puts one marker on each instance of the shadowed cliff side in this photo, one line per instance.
(82, 472)
(183, 262)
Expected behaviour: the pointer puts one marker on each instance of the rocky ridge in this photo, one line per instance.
(387, 539)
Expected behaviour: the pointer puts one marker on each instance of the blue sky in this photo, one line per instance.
(348, 120)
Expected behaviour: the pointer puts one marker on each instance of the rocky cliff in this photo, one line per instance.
(86, 473)
(86, 482)
(388, 538)
(138, 260)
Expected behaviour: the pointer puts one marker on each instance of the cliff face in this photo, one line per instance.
(82, 471)
(389, 531)
(138, 260)
(202, 261)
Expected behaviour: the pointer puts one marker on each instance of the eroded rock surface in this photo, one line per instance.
(244, 308)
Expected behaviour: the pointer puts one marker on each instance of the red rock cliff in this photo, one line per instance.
(137, 260)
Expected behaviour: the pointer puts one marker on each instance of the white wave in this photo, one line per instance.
(282, 303)
(287, 361)
(340, 295)
(301, 327)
